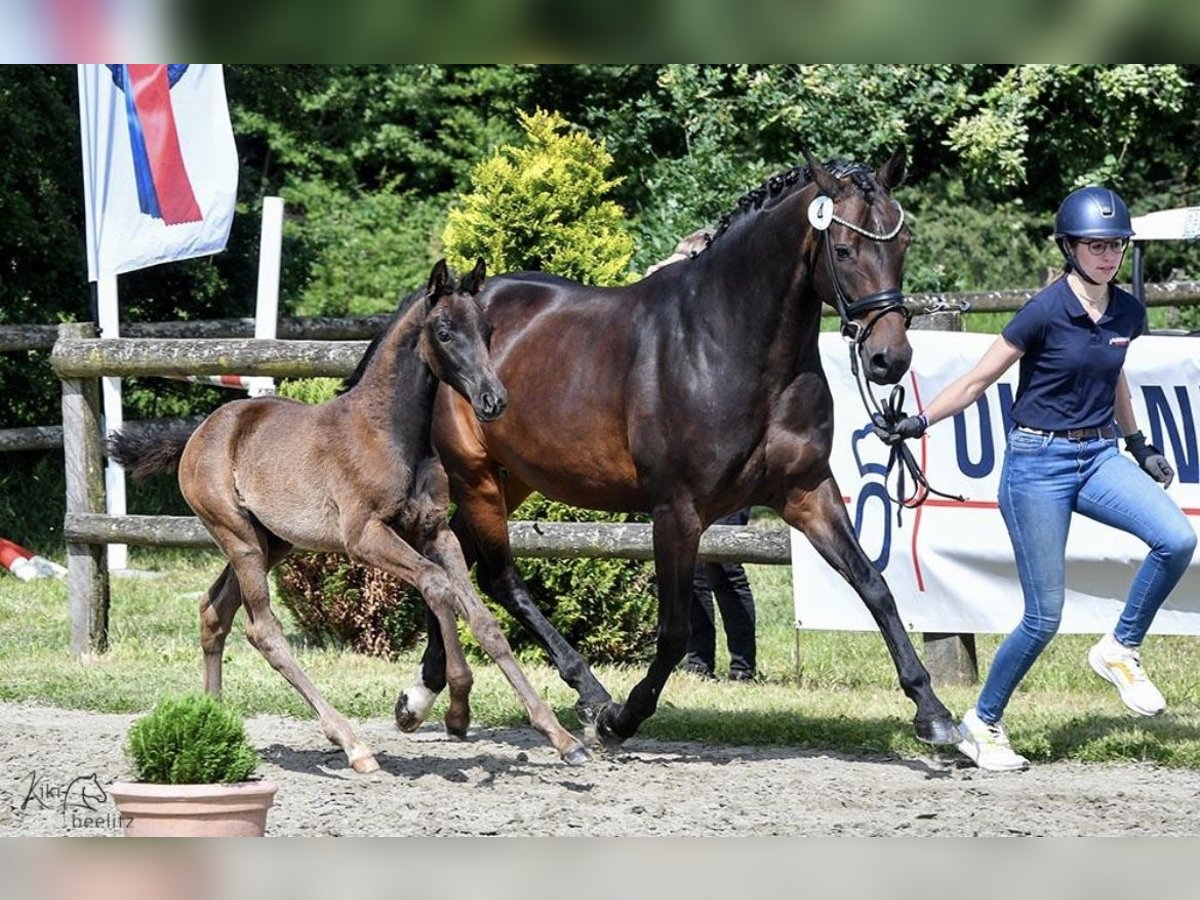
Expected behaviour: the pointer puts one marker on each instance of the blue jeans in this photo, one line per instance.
(1045, 479)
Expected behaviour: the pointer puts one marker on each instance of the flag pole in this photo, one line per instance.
(266, 312)
(114, 415)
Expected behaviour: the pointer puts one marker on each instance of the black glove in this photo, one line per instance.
(895, 432)
(1150, 458)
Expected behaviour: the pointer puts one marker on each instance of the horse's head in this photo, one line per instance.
(859, 243)
(455, 339)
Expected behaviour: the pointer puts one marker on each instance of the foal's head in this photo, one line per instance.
(455, 337)
(861, 242)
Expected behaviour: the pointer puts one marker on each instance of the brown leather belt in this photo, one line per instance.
(1094, 433)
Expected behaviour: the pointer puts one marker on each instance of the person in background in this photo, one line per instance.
(726, 582)
(1072, 406)
(687, 248)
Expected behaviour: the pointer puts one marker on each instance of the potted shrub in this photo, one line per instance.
(193, 765)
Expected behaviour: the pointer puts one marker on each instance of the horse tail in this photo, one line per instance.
(146, 452)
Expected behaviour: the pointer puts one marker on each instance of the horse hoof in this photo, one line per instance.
(596, 734)
(412, 710)
(940, 731)
(455, 732)
(608, 739)
(365, 765)
(577, 756)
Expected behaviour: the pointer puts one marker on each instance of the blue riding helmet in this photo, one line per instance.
(1093, 212)
(1089, 213)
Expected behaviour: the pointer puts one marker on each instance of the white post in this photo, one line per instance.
(266, 312)
(114, 416)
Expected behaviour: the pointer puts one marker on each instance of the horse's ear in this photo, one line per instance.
(438, 279)
(473, 283)
(891, 174)
(823, 178)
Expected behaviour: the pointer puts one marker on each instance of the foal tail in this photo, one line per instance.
(147, 452)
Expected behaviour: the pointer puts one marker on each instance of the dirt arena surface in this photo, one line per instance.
(509, 782)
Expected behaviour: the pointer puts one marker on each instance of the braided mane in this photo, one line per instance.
(775, 188)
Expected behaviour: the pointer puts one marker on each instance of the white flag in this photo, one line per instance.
(159, 164)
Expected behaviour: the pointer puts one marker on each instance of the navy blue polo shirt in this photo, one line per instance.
(1068, 375)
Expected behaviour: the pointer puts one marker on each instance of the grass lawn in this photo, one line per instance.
(840, 695)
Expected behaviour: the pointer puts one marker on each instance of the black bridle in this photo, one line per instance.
(881, 302)
(855, 334)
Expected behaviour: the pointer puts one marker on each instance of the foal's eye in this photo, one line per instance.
(842, 251)
(443, 335)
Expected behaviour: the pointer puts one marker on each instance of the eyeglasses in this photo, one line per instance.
(1097, 248)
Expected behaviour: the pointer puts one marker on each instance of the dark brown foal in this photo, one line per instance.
(355, 475)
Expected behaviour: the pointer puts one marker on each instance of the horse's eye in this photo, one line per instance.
(443, 335)
(842, 251)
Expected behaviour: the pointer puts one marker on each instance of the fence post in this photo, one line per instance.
(950, 658)
(83, 456)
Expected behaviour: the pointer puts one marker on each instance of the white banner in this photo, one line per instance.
(160, 166)
(949, 564)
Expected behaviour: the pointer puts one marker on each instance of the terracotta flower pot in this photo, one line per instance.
(194, 810)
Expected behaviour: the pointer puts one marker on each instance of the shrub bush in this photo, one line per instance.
(543, 206)
(338, 603)
(194, 739)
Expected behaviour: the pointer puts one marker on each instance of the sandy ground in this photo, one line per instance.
(509, 782)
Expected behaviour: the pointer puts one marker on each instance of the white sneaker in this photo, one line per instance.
(1121, 665)
(988, 746)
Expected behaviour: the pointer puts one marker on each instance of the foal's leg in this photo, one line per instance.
(248, 556)
(821, 515)
(447, 551)
(415, 702)
(480, 521)
(218, 606)
(380, 546)
(677, 532)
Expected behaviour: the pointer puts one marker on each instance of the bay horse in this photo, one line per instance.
(690, 394)
(355, 475)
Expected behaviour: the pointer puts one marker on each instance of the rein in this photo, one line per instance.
(902, 460)
(888, 300)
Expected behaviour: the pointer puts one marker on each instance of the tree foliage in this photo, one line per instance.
(543, 206)
(1043, 131)
(371, 159)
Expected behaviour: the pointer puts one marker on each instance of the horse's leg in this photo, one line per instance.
(447, 590)
(218, 606)
(677, 532)
(821, 515)
(446, 550)
(482, 528)
(414, 702)
(457, 672)
(247, 551)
